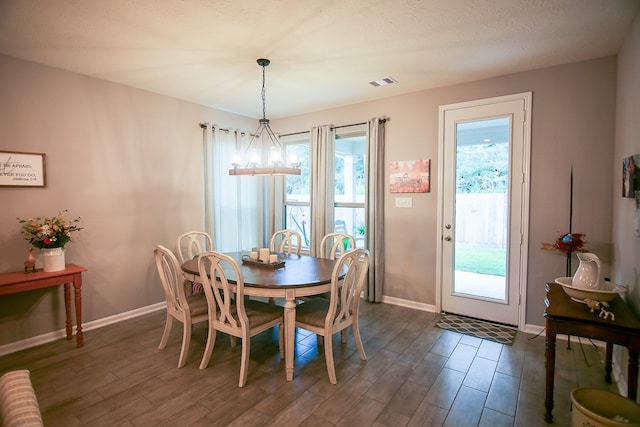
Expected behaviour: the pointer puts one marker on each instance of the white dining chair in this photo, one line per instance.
(190, 245)
(230, 312)
(333, 245)
(188, 309)
(283, 241)
(326, 317)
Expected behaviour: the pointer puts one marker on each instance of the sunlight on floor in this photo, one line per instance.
(482, 285)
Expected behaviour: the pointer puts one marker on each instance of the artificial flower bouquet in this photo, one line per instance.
(46, 233)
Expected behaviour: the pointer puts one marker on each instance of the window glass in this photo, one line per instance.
(297, 200)
(349, 185)
(298, 186)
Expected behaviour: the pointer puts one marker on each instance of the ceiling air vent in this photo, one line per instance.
(383, 82)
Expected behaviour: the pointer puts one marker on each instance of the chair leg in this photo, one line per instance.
(343, 336)
(328, 355)
(167, 332)
(358, 339)
(186, 341)
(211, 341)
(281, 339)
(244, 362)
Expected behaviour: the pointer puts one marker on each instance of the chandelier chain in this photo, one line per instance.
(264, 109)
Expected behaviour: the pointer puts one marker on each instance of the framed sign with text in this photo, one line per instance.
(18, 169)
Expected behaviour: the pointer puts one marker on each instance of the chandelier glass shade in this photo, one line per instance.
(265, 154)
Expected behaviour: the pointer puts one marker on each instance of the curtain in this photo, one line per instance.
(375, 207)
(207, 147)
(233, 204)
(322, 161)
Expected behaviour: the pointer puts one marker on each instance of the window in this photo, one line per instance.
(297, 214)
(350, 183)
(349, 211)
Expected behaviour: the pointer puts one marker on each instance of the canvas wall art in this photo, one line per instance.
(630, 175)
(409, 176)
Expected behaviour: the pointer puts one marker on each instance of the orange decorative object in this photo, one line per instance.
(30, 263)
(567, 243)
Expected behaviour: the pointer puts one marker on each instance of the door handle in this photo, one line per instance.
(447, 238)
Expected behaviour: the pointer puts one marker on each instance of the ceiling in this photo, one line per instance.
(324, 53)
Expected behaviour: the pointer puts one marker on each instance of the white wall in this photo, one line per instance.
(626, 248)
(128, 162)
(572, 124)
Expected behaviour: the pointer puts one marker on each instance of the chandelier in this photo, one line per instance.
(265, 154)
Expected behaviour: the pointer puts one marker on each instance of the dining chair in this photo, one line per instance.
(326, 317)
(333, 245)
(188, 309)
(283, 241)
(229, 312)
(191, 244)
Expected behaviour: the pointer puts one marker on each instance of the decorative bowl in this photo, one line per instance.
(606, 292)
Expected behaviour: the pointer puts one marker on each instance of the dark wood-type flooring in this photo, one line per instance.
(416, 375)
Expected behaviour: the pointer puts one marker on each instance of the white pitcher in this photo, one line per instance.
(589, 272)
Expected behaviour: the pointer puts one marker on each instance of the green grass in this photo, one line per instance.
(480, 260)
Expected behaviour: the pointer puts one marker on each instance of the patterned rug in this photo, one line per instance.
(478, 328)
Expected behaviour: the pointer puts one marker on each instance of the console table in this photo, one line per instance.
(565, 316)
(19, 281)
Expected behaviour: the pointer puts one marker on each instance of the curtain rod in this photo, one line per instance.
(333, 127)
(204, 125)
(213, 128)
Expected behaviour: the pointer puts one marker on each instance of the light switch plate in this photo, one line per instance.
(404, 202)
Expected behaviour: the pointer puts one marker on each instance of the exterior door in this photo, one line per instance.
(483, 201)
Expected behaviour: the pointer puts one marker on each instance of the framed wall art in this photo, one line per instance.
(409, 176)
(630, 175)
(18, 169)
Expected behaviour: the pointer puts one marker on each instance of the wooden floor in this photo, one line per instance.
(416, 375)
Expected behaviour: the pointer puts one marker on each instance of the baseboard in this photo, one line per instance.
(409, 304)
(95, 324)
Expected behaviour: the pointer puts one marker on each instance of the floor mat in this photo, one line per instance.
(478, 328)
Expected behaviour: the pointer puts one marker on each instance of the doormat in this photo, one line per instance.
(478, 328)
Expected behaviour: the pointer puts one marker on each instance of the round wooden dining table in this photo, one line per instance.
(301, 276)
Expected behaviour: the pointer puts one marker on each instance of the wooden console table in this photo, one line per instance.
(565, 316)
(15, 282)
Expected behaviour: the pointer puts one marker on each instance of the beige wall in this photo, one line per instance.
(572, 124)
(127, 161)
(626, 247)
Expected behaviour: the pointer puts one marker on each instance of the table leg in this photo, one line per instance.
(77, 287)
(67, 308)
(550, 362)
(608, 362)
(289, 332)
(632, 377)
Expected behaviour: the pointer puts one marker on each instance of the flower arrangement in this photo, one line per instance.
(566, 243)
(45, 233)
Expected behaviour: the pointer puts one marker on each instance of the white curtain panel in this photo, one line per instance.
(233, 204)
(375, 205)
(322, 167)
(207, 147)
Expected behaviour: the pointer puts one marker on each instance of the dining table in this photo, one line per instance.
(294, 277)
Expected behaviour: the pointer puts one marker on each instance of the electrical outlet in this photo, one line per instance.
(404, 202)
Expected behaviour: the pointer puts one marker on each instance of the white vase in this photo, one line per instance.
(53, 259)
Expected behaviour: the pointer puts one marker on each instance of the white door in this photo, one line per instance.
(483, 207)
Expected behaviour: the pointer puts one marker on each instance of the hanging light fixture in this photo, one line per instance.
(277, 162)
